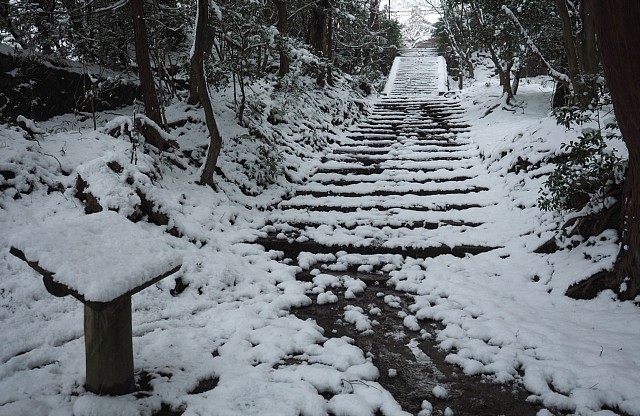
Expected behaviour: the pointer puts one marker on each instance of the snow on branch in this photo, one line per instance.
(555, 74)
(125, 125)
(112, 8)
(29, 126)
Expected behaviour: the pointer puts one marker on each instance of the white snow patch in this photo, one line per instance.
(440, 393)
(355, 315)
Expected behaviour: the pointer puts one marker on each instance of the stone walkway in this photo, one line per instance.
(405, 185)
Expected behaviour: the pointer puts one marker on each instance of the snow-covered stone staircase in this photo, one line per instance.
(406, 183)
(404, 193)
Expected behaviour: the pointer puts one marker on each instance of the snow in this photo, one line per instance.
(326, 297)
(426, 408)
(355, 315)
(440, 392)
(100, 256)
(501, 314)
(30, 125)
(411, 322)
(391, 78)
(442, 75)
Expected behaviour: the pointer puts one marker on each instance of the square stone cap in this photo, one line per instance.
(97, 258)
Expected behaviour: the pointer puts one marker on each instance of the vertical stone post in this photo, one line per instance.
(109, 347)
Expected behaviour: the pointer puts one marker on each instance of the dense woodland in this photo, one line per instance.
(581, 45)
(176, 48)
(83, 56)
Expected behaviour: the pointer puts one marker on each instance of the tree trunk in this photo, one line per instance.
(581, 49)
(316, 28)
(506, 82)
(559, 95)
(516, 80)
(197, 72)
(321, 29)
(147, 85)
(589, 58)
(469, 63)
(327, 33)
(503, 74)
(327, 42)
(374, 15)
(283, 16)
(619, 40)
(209, 44)
(568, 40)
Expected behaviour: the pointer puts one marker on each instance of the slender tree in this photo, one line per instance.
(200, 43)
(321, 35)
(147, 85)
(578, 29)
(619, 40)
(283, 25)
(495, 33)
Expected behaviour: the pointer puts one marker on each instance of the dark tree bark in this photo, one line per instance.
(321, 36)
(316, 28)
(504, 74)
(327, 38)
(194, 98)
(147, 85)
(197, 72)
(580, 47)
(588, 45)
(618, 31)
(321, 29)
(283, 27)
(374, 15)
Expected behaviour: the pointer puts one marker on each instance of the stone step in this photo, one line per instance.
(340, 180)
(410, 157)
(401, 141)
(357, 149)
(394, 218)
(389, 192)
(410, 225)
(380, 207)
(291, 249)
(402, 183)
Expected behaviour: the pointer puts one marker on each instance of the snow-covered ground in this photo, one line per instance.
(504, 311)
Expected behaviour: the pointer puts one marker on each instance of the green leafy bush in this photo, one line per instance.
(583, 175)
(588, 168)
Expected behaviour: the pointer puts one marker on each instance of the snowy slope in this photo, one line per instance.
(228, 344)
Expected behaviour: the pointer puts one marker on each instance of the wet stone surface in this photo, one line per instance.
(409, 361)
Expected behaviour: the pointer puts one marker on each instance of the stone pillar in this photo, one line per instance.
(109, 347)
